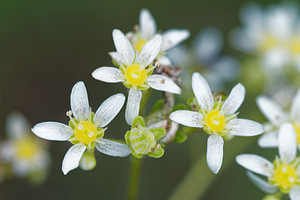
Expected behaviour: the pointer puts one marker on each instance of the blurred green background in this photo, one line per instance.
(47, 46)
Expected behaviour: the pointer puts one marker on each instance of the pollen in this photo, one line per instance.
(297, 129)
(135, 75)
(85, 132)
(215, 121)
(285, 176)
(138, 46)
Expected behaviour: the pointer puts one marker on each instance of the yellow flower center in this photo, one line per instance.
(85, 132)
(294, 45)
(135, 75)
(26, 148)
(268, 42)
(215, 121)
(285, 176)
(140, 44)
(297, 129)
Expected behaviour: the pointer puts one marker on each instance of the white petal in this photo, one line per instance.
(295, 193)
(202, 91)
(150, 50)
(245, 127)
(53, 131)
(163, 83)
(234, 100)
(123, 47)
(109, 109)
(256, 164)
(80, 102)
(214, 155)
(108, 74)
(173, 37)
(187, 118)
(112, 148)
(295, 107)
(147, 24)
(116, 57)
(16, 125)
(72, 157)
(261, 184)
(164, 61)
(7, 150)
(275, 59)
(271, 110)
(133, 105)
(268, 140)
(287, 140)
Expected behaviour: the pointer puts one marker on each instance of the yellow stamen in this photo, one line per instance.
(285, 176)
(268, 42)
(135, 75)
(26, 148)
(215, 121)
(85, 132)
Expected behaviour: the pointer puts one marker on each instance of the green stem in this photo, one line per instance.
(134, 178)
(199, 179)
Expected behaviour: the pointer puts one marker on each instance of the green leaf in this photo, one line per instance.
(157, 105)
(138, 121)
(158, 132)
(157, 153)
(179, 107)
(193, 104)
(179, 137)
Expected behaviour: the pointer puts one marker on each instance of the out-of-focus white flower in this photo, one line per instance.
(278, 116)
(284, 173)
(135, 71)
(147, 30)
(217, 117)
(27, 155)
(272, 34)
(85, 130)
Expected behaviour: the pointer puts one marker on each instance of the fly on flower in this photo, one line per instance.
(284, 173)
(135, 71)
(147, 30)
(85, 130)
(26, 154)
(217, 117)
(277, 116)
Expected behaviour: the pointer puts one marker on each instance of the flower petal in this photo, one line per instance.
(164, 61)
(16, 125)
(256, 164)
(261, 184)
(245, 127)
(173, 37)
(268, 140)
(234, 100)
(147, 24)
(123, 47)
(287, 143)
(271, 110)
(108, 74)
(295, 107)
(295, 193)
(214, 154)
(108, 110)
(72, 157)
(202, 91)
(163, 83)
(80, 102)
(112, 148)
(53, 131)
(116, 57)
(150, 50)
(133, 105)
(187, 118)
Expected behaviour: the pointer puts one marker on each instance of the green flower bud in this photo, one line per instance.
(88, 161)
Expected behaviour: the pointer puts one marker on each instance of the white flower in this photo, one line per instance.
(284, 173)
(26, 153)
(218, 118)
(147, 30)
(135, 71)
(273, 34)
(86, 129)
(277, 116)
